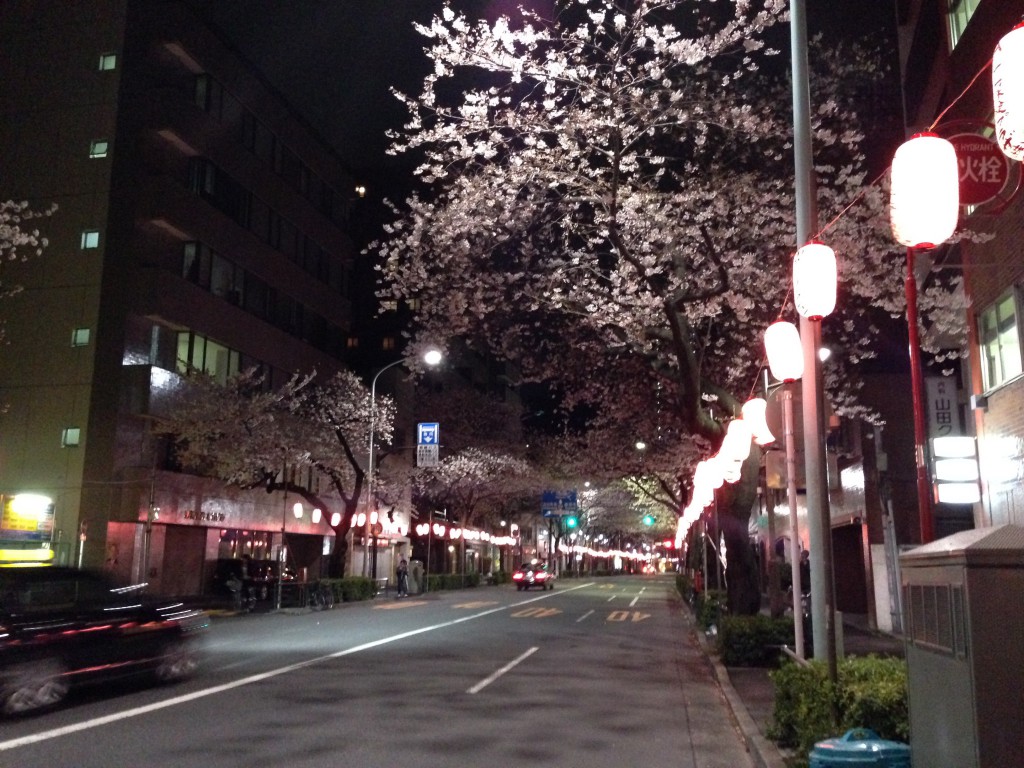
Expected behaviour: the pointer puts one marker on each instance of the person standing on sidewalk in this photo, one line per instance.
(403, 578)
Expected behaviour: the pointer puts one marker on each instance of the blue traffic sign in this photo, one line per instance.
(428, 433)
(556, 504)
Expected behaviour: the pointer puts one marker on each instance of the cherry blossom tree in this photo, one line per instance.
(249, 437)
(18, 242)
(607, 201)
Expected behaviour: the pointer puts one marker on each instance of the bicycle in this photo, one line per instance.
(321, 597)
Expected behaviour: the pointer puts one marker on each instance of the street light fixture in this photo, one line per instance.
(431, 357)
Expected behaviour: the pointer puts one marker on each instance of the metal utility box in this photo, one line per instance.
(964, 627)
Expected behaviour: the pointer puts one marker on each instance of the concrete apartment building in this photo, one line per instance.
(945, 50)
(198, 220)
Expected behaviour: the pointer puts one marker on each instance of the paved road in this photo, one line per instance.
(596, 673)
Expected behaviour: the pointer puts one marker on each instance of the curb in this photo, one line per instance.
(763, 752)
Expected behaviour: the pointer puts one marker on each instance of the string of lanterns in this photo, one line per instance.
(924, 208)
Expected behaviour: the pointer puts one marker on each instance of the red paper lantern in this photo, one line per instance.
(925, 201)
(1008, 92)
(814, 280)
(785, 354)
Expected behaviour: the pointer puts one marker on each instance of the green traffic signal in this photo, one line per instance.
(571, 522)
(648, 519)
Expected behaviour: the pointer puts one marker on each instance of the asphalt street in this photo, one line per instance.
(601, 672)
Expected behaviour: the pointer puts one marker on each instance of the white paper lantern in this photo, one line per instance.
(736, 445)
(814, 280)
(1008, 93)
(755, 414)
(925, 201)
(785, 355)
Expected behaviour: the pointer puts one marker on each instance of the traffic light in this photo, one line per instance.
(648, 519)
(571, 521)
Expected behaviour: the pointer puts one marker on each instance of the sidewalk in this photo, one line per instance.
(750, 693)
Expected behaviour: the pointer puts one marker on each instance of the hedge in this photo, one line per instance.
(871, 692)
(753, 641)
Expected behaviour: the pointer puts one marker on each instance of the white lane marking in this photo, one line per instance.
(96, 722)
(491, 678)
(611, 598)
(581, 618)
(633, 601)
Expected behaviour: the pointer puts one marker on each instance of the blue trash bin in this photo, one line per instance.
(860, 748)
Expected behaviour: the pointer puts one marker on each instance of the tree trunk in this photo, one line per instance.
(336, 562)
(735, 504)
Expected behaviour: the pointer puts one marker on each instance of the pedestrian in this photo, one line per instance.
(805, 572)
(403, 578)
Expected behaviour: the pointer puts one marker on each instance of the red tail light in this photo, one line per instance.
(517, 577)
(540, 576)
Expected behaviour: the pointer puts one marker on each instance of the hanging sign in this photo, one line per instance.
(984, 170)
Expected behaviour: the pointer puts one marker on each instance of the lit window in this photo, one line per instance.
(98, 148)
(960, 12)
(414, 304)
(1000, 342)
(352, 342)
(389, 305)
(70, 437)
(108, 61)
(80, 337)
(90, 239)
(388, 343)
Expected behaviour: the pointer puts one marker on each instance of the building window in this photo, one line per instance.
(960, 12)
(352, 342)
(414, 304)
(387, 343)
(108, 62)
(198, 353)
(70, 437)
(98, 148)
(389, 305)
(80, 337)
(1000, 342)
(90, 239)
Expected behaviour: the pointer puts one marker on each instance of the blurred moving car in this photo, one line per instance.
(60, 627)
(533, 575)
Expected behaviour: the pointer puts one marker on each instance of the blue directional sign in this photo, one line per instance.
(428, 433)
(558, 503)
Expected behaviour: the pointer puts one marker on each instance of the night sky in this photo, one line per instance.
(336, 59)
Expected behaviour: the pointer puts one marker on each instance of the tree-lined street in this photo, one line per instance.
(598, 672)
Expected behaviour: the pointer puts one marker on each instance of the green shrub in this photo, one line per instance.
(873, 695)
(871, 692)
(709, 607)
(442, 581)
(684, 586)
(753, 641)
(352, 588)
(499, 577)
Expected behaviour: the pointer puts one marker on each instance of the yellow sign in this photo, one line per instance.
(27, 517)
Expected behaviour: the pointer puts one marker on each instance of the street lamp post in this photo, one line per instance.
(431, 357)
(819, 513)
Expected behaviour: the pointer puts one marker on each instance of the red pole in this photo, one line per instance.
(924, 486)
